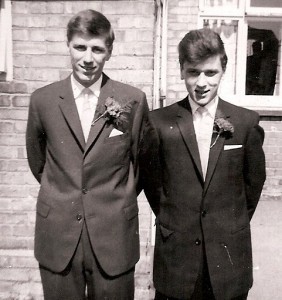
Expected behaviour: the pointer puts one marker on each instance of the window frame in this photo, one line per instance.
(224, 10)
(6, 53)
(267, 105)
(260, 10)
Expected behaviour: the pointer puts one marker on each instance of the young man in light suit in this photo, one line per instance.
(211, 169)
(83, 136)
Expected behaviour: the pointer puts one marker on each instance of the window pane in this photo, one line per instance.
(263, 58)
(228, 31)
(264, 3)
(223, 3)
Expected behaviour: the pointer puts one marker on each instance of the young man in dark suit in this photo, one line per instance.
(211, 169)
(83, 137)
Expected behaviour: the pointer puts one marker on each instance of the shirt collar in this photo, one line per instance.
(211, 106)
(77, 88)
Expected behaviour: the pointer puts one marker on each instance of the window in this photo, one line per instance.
(261, 6)
(6, 65)
(252, 32)
(263, 58)
(221, 7)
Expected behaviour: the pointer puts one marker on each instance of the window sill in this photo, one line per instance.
(264, 105)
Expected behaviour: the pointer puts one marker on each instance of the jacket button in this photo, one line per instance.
(84, 191)
(198, 242)
(78, 217)
(204, 213)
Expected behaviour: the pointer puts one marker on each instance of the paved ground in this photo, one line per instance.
(267, 251)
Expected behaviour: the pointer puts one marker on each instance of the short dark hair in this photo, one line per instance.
(198, 45)
(91, 22)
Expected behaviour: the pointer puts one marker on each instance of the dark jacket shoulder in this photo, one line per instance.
(119, 87)
(169, 111)
(50, 87)
(126, 89)
(239, 114)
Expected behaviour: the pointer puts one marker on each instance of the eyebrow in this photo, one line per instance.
(93, 47)
(198, 70)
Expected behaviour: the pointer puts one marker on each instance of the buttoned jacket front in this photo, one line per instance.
(215, 212)
(93, 182)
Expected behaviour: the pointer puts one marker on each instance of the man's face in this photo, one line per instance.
(88, 56)
(202, 80)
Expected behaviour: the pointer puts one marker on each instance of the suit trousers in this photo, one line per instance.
(160, 296)
(203, 288)
(84, 278)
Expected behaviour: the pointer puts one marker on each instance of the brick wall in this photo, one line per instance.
(40, 56)
(272, 126)
(182, 17)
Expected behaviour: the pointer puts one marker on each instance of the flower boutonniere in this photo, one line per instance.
(115, 113)
(222, 127)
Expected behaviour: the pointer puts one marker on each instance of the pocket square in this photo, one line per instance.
(115, 132)
(230, 147)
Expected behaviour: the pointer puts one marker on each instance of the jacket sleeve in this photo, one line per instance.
(150, 166)
(138, 131)
(254, 167)
(35, 141)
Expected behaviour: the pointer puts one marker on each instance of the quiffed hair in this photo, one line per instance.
(90, 22)
(198, 45)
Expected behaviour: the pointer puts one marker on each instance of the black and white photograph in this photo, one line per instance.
(140, 150)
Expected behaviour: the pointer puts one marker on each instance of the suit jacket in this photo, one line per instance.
(216, 212)
(93, 181)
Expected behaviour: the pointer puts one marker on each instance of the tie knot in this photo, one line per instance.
(201, 110)
(86, 92)
(87, 99)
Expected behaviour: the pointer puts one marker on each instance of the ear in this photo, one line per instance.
(110, 49)
(181, 73)
(223, 76)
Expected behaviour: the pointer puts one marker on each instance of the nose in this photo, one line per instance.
(202, 80)
(88, 58)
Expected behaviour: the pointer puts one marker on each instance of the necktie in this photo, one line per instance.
(203, 137)
(87, 112)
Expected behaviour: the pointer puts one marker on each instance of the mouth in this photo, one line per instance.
(201, 93)
(88, 69)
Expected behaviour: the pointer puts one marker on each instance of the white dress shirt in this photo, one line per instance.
(204, 128)
(77, 89)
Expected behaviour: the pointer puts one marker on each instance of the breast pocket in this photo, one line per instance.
(233, 158)
(115, 150)
(228, 150)
(122, 138)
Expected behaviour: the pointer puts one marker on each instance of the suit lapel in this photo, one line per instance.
(216, 149)
(96, 128)
(186, 127)
(69, 110)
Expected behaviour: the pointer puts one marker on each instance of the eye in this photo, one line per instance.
(193, 73)
(210, 73)
(98, 50)
(79, 47)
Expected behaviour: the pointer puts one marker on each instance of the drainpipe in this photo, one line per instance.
(6, 63)
(160, 56)
(160, 65)
(163, 79)
(157, 55)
